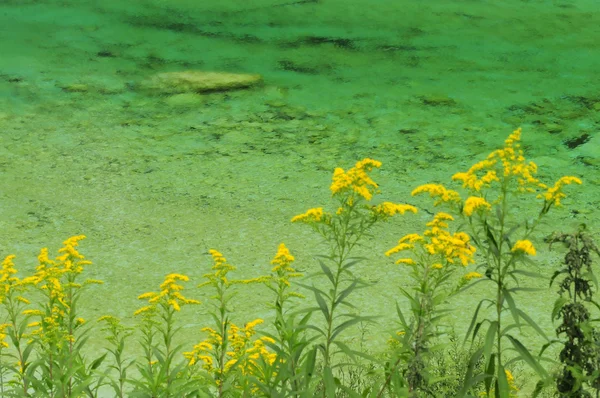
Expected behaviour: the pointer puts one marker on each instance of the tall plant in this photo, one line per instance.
(432, 258)
(342, 230)
(579, 355)
(500, 190)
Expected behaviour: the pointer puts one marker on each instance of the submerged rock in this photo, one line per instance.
(195, 81)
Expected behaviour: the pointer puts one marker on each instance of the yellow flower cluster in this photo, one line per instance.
(475, 203)
(201, 353)
(311, 216)
(389, 209)
(451, 246)
(52, 325)
(7, 279)
(471, 275)
(403, 245)
(220, 270)
(243, 352)
(282, 261)
(243, 349)
(3, 344)
(356, 179)
(554, 194)
(438, 241)
(524, 246)
(470, 179)
(439, 192)
(169, 295)
(49, 273)
(509, 161)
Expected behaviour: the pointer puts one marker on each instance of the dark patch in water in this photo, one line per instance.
(577, 141)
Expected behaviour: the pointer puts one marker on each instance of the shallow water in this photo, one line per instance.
(154, 181)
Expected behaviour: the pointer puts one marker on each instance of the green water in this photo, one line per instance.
(154, 181)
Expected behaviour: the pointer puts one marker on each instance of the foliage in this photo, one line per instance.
(434, 258)
(580, 352)
(502, 234)
(304, 352)
(342, 231)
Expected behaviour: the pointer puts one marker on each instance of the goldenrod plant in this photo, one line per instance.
(342, 230)
(11, 291)
(163, 365)
(59, 334)
(290, 373)
(117, 335)
(432, 258)
(301, 352)
(228, 354)
(502, 233)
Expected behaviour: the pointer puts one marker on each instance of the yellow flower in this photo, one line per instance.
(524, 246)
(220, 270)
(7, 279)
(311, 216)
(147, 295)
(407, 261)
(439, 192)
(452, 247)
(554, 194)
(200, 353)
(511, 385)
(437, 266)
(69, 247)
(472, 275)
(283, 270)
(3, 344)
(169, 294)
(507, 162)
(33, 312)
(400, 247)
(390, 209)
(356, 179)
(109, 319)
(282, 258)
(93, 282)
(475, 203)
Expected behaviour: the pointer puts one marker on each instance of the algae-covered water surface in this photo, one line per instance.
(97, 136)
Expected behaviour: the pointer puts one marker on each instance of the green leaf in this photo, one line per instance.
(97, 362)
(470, 379)
(329, 382)
(350, 264)
(322, 305)
(353, 353)
(346, 324)
(346, 292)
(327, 271)
(489, 373)
(401, 316)
(527, 357)
(532, 323)
(474, 319)
(491, 239)
(502, 389)
(529, 274)
(309, 366)
(489, 342)
(558, 304)
(512, 306)
(557, 273)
